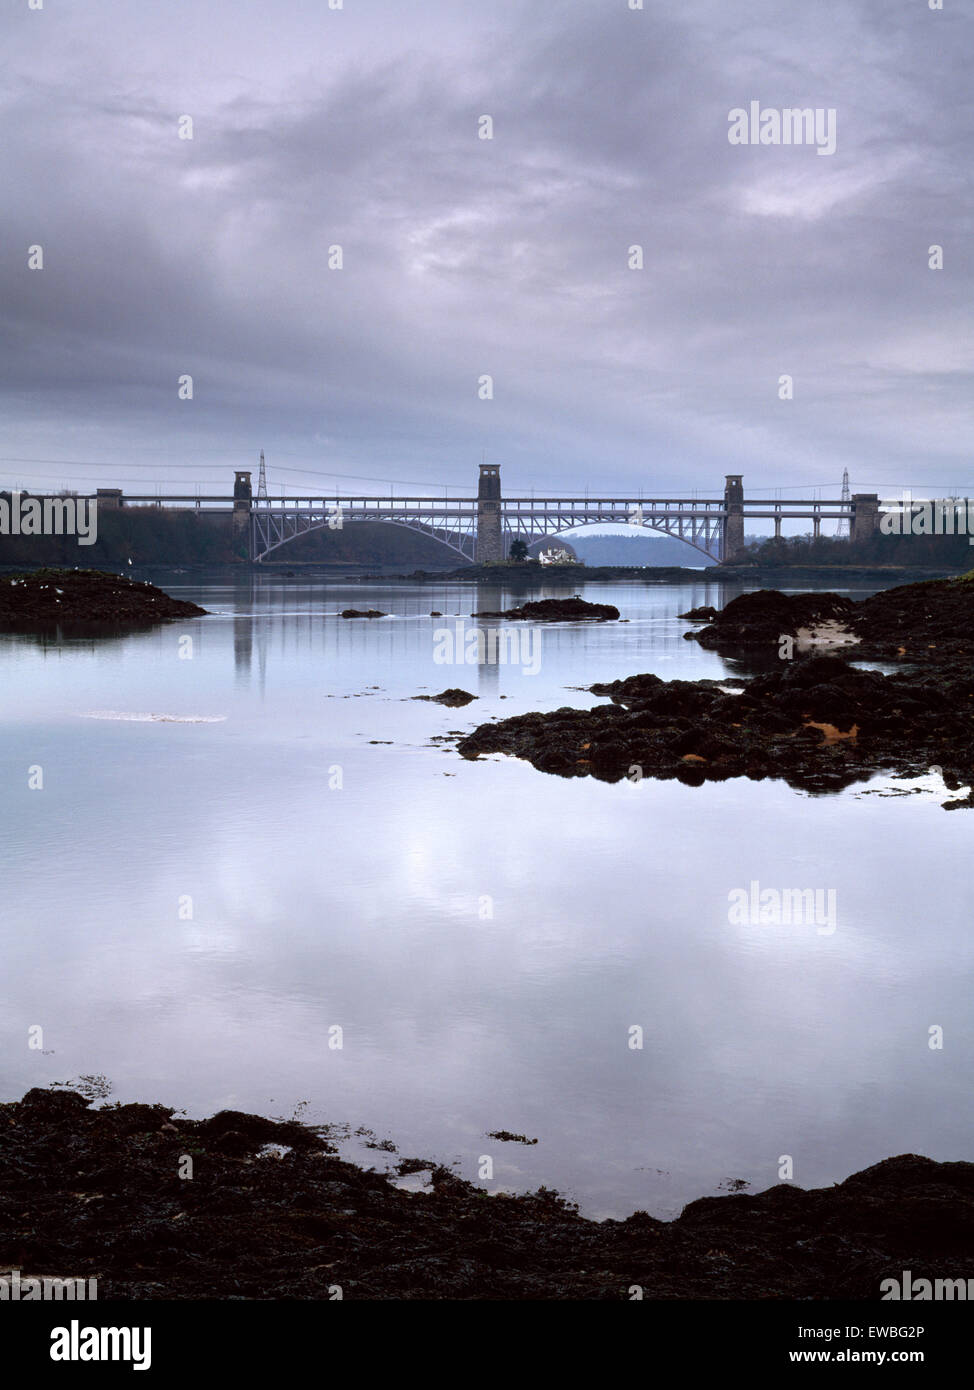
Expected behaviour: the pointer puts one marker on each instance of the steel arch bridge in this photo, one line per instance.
(455, 524)
(482, 528)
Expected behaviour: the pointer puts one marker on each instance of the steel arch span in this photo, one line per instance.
(272, 529)
(455, 524)
(707, 539)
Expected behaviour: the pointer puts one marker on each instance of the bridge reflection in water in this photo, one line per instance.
(279, 623)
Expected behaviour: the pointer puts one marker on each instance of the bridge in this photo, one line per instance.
(481, 529)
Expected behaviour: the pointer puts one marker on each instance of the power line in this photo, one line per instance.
(154, 469)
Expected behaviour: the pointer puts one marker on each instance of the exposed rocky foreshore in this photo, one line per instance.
(814, 720)
(57, 595)
(97, 1194)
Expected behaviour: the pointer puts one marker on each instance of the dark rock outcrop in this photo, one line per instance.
(818, 723)
(762, 618)
(55, 595)
(453, 697)
(557, 610)
(932, 622)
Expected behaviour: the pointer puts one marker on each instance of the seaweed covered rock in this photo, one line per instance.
(930, 622)
(452, 698)
(762, 618)
(818, 723)
(96, 1192)
(86, 596)
(557, 610)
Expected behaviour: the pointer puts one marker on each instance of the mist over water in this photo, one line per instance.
(485, 936)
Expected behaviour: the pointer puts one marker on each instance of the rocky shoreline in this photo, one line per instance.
(930, 623)
(813, 720)
(511, 572)
(96, 1193)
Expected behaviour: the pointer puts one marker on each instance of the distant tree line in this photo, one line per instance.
(165, 536)
(139, 534)
(928, 552)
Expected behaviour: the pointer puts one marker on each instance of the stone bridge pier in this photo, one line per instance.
(865, 516)
(240, 538)
(490, 542)
(733, 545)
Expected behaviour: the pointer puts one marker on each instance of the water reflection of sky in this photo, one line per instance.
(364, 907)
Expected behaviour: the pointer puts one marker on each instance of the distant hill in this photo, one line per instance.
(636, 550)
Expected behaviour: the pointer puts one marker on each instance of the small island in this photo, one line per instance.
(557, 610)
(52, 595)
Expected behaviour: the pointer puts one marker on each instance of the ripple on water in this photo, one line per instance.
(147, 718)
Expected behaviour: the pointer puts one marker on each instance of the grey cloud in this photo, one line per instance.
(506, 256)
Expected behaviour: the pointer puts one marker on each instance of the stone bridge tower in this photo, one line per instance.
(865, 516)
(734, 518)
(240, 524)
(490, 544)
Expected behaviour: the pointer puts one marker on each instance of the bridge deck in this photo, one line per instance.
(796, 507)
(486, 523)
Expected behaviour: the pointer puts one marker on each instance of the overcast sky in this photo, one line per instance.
(462, 256)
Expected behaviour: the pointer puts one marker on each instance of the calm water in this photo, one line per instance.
(484, 935)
